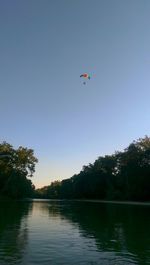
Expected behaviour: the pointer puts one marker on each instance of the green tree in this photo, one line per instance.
(16, 166)
(122, 176)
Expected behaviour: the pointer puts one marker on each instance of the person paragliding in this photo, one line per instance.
(85, 76)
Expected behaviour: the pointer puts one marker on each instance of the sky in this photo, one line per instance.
(44, 48)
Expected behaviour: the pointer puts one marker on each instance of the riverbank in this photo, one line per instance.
(116, 202)
(3, 198)
(96, 201)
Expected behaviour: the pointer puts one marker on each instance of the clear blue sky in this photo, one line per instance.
(44, 47)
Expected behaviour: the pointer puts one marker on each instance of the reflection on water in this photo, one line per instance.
(61, 232)
(13, 231)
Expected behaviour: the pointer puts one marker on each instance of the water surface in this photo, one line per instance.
(69, 233)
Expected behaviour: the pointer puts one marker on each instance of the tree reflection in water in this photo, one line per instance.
(123, 229)
(51, 232)
(13, 231)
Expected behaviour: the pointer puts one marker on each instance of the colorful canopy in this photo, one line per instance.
(85, 75)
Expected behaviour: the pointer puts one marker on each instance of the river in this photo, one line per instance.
(48, 232)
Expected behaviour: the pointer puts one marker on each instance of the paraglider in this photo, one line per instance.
(85, 76)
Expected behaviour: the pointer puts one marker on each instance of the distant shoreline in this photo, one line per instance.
(97, 201)
(117, 202)
(78, 200)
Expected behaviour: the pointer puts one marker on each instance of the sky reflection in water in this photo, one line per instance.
(61, 232)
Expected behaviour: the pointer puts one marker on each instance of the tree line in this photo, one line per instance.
(16, 168)
(121, 176)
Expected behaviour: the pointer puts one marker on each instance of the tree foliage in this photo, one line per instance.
(120, 176)
(16, 166)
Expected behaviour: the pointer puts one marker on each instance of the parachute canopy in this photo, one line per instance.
(85, 75)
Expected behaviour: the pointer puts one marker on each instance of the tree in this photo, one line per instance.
(15, 169)
(122, 176)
